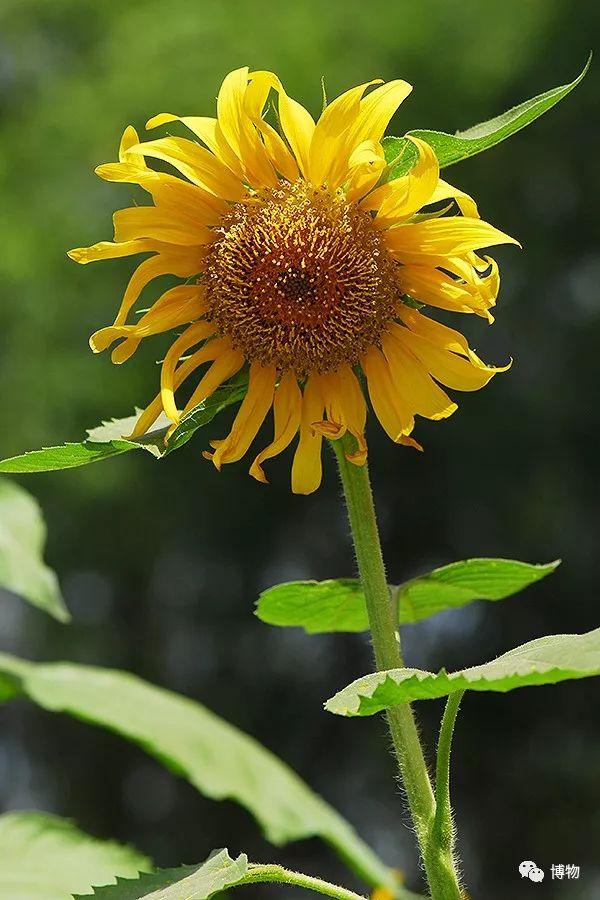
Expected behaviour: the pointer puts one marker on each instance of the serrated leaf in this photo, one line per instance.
(110, 439)
(452, 148)
(43, 857)
(339, 604)
(22, 542)
(218, 759)
(547, 660)
(219, 871)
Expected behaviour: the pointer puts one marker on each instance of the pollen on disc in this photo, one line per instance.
(300, 278)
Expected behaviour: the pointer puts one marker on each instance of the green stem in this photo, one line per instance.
(442, 829)
(441, 875)
(272, 873)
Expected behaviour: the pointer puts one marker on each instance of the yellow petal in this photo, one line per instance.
(230, 103)
(438, 289)
(149, 415)
(196, 163)
(227, 363)
(111, 250)
(210, 133)
(177, 306)
(480, 277)
(181, 198)
(168, 191)
(377, 108)
(235, 113)
(445, 191)
(183, 264)
(307, 468)
(450, 236)
(126, 155)
(287, 409)
(250, 417)
(366, 164)
(191, 336)
(441, 335)
(276, 149)
(160, 224)
(444, 352)
(298, 126)
(423, 394)
(388, 403)
(346, 410)
(329, 151)
(402, 197)
(451, 370)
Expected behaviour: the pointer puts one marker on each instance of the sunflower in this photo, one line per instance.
(302, 260)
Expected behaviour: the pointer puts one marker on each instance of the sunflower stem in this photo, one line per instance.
(437, 859)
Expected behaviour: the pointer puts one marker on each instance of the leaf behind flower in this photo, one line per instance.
(452, 148)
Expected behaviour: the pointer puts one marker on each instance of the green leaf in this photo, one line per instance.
(339, 605)
(109, 439)
(452, 148)
(547, 660)
(316, 606)
(219, 760)
(219, 871)
(460, 583)
(43, 857)
(22, 542)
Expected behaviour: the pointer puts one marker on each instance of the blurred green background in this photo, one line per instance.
(161, 563)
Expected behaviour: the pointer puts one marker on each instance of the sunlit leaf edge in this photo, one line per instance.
(199, 882)
(546, 660)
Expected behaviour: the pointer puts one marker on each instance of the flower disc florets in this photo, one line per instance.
(301, 279)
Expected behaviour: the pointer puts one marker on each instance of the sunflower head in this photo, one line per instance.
(301, 279)
(300, 258)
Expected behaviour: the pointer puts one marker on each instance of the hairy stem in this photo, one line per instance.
(442, 828)
(273, 873)
(439, 866)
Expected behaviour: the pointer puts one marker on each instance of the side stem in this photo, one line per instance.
(439, 865)
(272, 873)
(442, 829)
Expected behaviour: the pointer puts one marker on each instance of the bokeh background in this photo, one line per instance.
(161, 562)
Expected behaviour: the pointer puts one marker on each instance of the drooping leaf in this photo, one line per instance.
(219, 872)
(43, 857)
(110, 438)
(452, 148)
(547, 660)
(22, 542)
(218, 759)
(339, 605)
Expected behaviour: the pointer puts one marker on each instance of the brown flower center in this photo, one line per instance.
(300, 278)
